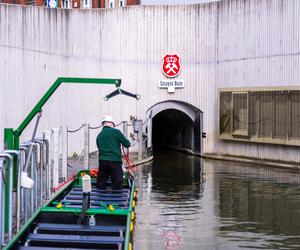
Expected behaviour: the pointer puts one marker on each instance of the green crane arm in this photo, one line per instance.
(53, 88)
(12, 137)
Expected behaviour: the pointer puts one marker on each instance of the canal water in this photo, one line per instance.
(189, 203)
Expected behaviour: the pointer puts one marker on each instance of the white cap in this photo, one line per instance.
(107, 118)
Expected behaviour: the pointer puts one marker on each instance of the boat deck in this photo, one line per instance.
(55, 226)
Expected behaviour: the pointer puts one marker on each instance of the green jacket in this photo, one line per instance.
(109, 143)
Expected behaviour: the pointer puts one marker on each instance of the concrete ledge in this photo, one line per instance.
(182, 150)
(274, 164)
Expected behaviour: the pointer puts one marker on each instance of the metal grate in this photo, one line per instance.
(240, 114)
(260, 116)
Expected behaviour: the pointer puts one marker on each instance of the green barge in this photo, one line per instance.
(68, 220)
(55, 225)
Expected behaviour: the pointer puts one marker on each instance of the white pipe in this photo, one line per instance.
(2, 206)
(11, 165)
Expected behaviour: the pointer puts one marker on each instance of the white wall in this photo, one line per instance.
(233, 43)
(259, 45)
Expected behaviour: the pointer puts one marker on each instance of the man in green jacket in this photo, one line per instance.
(109, 143)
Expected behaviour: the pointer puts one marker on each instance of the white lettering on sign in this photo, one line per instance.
(171, 85)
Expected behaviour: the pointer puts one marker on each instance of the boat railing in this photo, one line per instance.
(34, 182)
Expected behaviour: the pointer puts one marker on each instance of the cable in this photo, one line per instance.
(97, 127)
(130, 165)
(262, 120)
(85, 206)
(255, 122)
(119, 124)
(76, 130)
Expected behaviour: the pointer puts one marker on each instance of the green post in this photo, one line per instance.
(8, 138)
(8, 144)
(16, 147)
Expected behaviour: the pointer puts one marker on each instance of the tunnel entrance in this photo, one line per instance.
(173, 129)
(175, 125)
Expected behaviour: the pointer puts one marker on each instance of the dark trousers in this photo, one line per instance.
(113, 169)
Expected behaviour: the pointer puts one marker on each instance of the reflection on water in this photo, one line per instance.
(230, 206)
(259, 208)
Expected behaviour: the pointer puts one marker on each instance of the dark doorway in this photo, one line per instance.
(175, 125)
(173, 129)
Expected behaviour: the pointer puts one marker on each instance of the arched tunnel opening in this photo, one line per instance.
(173, 129)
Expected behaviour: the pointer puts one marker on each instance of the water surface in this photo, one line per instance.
(229, 206)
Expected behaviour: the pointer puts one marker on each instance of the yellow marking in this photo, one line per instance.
(130, 246)
(111, 208)
(59, 205)
(132, 215)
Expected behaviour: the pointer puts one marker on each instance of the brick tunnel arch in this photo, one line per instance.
(176, 125)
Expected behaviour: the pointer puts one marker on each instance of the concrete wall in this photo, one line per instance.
(232, 43)
(258, 45)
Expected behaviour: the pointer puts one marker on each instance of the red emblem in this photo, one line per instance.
(171, 65)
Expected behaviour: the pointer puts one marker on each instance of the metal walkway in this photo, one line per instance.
(55, 226)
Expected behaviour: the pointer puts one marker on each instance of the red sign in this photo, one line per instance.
(171, 65)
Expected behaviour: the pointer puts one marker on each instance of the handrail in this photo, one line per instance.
(8, 215)
(26, 200)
